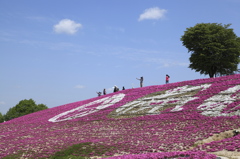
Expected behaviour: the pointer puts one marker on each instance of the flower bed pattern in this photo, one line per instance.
(168, 155)
(164, 118)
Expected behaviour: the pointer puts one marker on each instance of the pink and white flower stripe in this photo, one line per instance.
(176, 115)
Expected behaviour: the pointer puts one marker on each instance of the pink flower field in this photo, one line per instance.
(192, 119)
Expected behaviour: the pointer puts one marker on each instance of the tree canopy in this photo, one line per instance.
(24, 107)
(214, 48)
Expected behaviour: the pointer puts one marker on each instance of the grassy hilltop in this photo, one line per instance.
(191, 119)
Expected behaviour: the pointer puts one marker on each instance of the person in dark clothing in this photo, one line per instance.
(141, 81)
(116, 89)
(123, 88)
(104, 91)
(167, 78)
(99, 93)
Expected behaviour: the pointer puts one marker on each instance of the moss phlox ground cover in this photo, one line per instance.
(149, 121)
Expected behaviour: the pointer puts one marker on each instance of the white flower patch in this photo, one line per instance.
(86, 109)
(154, 103)
(214, 106)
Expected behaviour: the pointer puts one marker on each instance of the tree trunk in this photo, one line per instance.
(212, 71)
(211, 75)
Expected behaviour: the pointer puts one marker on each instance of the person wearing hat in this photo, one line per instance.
(115, 89)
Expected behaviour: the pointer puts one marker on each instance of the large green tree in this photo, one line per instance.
(24, 107)
(214, 48)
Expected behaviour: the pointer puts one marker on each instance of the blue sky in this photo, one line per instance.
(58, 52)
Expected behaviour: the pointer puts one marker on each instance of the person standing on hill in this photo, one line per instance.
(141, 81)
(116, 89)
(99, 94)
(104, 91)
(167, 78)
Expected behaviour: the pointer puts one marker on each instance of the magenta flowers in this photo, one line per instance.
(149, 121)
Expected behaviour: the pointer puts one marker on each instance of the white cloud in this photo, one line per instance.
(152, 13)
(67, 26)
(79, 86)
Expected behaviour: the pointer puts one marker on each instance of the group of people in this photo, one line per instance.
(100, 93)
(116, 89)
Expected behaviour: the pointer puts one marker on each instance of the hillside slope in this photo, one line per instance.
(191, 116)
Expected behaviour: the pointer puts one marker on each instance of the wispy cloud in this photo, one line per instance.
(118, 29)
(2, 103)
(166, 62)
(37, 18)
(67, 26)
(152, 13)
(63, 46)
(150, 57)
(110, 90)
(79, 86)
